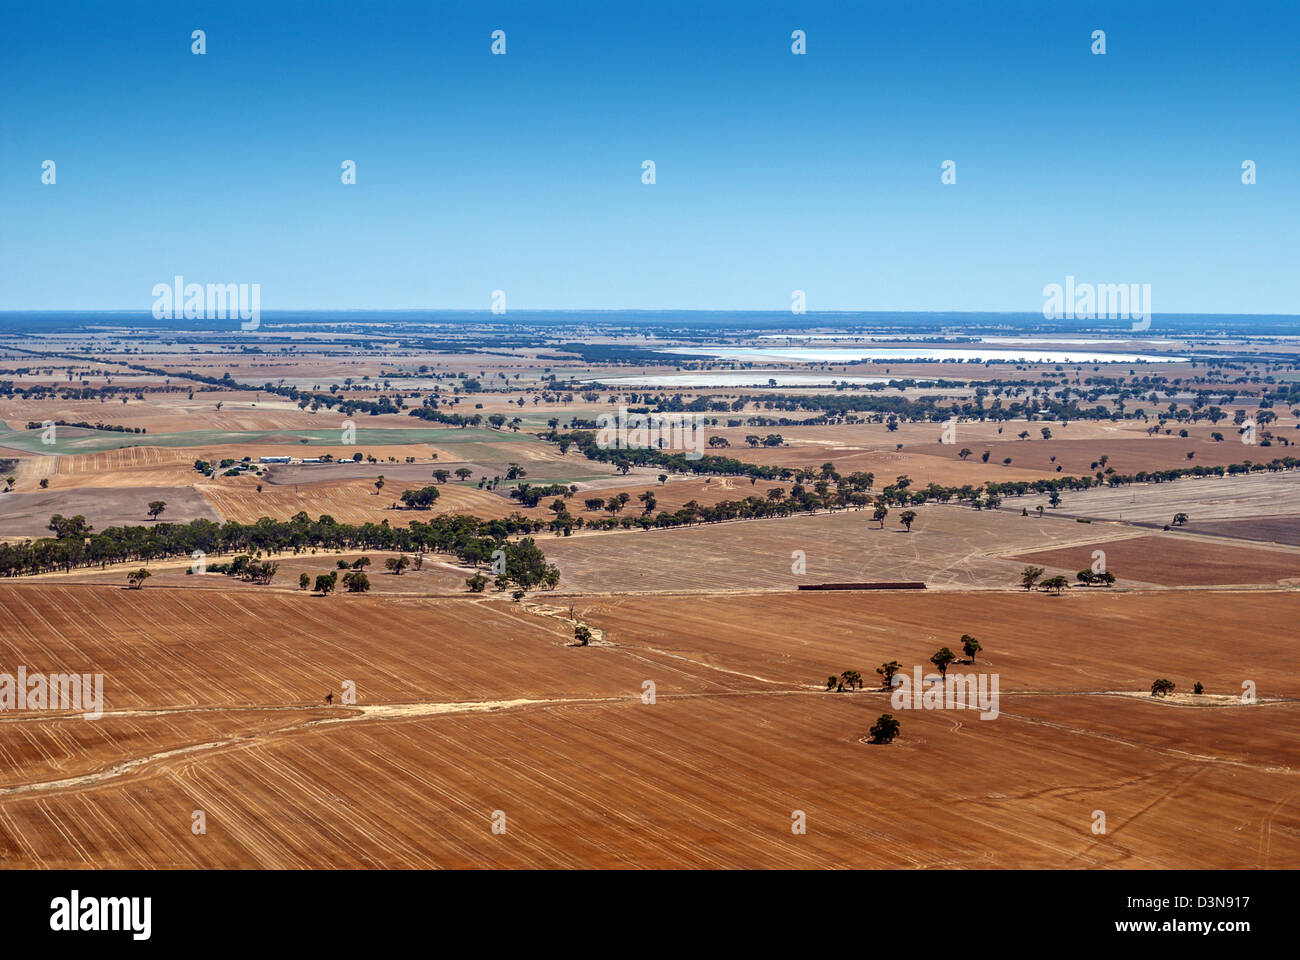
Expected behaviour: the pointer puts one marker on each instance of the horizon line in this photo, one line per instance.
(145, 311)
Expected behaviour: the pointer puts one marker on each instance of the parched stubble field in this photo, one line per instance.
(949, 546)
(1219, 498)
(348, 501)
(27, 515)
(467, 708)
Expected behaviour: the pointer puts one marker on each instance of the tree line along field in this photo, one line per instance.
(436, 576)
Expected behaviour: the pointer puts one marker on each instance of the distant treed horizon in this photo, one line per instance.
(711, 157)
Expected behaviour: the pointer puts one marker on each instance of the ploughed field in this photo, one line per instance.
(472, 713)
(1284, 530)
(1170, 559)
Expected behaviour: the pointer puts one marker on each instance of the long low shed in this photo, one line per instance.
(877, 585)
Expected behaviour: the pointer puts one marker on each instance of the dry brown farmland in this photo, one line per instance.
(587, 774)
(697, 721)
(949, 546)
(1176, 561)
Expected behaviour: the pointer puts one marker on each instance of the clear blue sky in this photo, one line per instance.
(775, 172)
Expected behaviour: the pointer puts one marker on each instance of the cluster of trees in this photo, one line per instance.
(247, 567)
(848, 680)
(852, 680)
(474, 541)
(421, 499)
(885, 729)
(841, 406)
(454, 419)
(662, 403)
(1090, 579)
(354, 578)
(110, 427)
(521, 564)
(530, 495)
(1032, 576)
(615, 503)
(1163, 687)
(354, 581)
